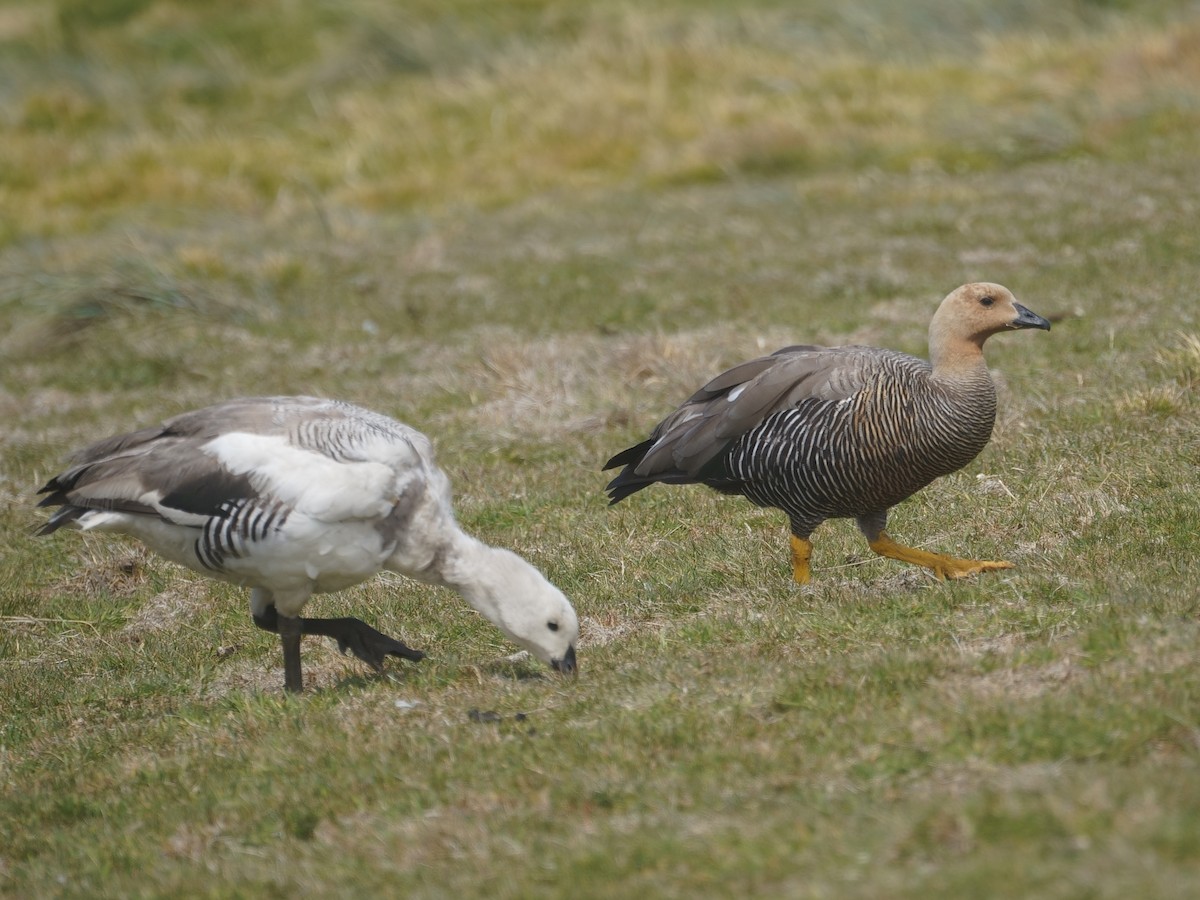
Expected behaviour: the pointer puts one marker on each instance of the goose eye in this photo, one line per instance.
(553, 626)
(987, 301)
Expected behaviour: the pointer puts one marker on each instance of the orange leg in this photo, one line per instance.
(801, 554)
(942, 566)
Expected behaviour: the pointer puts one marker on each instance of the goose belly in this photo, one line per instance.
(304, 555)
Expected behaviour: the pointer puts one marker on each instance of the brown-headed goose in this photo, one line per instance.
(295, 496)
(840, 432)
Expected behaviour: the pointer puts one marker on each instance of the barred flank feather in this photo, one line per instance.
(237, 526)
(823, 460)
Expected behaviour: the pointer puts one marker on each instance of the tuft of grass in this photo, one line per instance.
(1182, 362)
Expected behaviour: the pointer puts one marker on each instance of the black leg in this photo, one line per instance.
(289, 630)
(267, 620)
(353, 635)
(289, 634)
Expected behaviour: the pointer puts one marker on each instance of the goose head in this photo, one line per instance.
(969, 315)
(532, 612)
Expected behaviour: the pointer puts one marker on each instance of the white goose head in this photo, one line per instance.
(533, 613)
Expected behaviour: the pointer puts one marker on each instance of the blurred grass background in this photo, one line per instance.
(530, 228)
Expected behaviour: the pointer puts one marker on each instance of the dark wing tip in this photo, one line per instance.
(630, 455)
(67, 514)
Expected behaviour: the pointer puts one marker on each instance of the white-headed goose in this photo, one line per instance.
(294, 496)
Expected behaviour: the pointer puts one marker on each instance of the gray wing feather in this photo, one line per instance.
(743, 397)
(166, 465)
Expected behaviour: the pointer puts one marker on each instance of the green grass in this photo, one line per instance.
(529, 229)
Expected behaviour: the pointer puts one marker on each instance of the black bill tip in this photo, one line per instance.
(566, 665)
(1028, 319)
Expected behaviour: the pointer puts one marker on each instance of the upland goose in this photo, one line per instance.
(295, 496)
(840, 432)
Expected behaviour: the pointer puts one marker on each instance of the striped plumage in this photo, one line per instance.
(808, 460)
(293, 496)
(839, 432)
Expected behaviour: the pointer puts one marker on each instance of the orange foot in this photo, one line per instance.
(941, 565)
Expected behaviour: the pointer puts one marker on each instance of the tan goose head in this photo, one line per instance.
(969, 316)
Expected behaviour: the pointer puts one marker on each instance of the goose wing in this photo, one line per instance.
(802, 377)
(328, 460)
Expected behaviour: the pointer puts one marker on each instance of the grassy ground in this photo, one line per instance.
(530, 228)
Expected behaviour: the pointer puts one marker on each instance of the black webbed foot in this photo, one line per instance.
(359, 638)
(353, 635)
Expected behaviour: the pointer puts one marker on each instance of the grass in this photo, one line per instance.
(530, 228)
